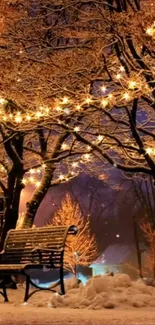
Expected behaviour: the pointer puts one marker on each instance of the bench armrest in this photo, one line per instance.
(42, 249)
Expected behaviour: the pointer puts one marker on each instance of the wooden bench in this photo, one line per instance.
(34, 248)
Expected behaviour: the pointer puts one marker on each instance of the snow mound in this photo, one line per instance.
(105, 292)
(71, 283)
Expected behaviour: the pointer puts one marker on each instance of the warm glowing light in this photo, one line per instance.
(61, 177)
(103, 88)
(31, 171)
(122, 69)
(100, 138)
(118, 76)
(88, 100)
(2, 101)
(66, 111)
(86, 156)
(104, 102)
(88, 148)
(24, 181)
(78, 107)
(18, 118)
(37, 184)
(132, 84)
(75, 164)
(38, 114)
(58, 109)
(149, 150)
(126, 96)
(64, 146)
(76, 129)
(28, 117)
(65, 100)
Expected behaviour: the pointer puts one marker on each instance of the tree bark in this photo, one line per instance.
(38, 196)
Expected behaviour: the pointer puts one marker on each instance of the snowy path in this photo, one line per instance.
(10, 315)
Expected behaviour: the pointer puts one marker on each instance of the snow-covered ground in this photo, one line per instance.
(104, 300)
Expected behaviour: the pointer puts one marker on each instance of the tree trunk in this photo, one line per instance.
(12, 199)
(38, 196)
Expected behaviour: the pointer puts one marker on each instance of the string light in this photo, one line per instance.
(64, 146)
(103, 88)
(132, 84)
(118, 76)
(78, 107)
(100, 138)
(126, 96)
(2, 101)
(76, 129)
(88, 100)
(65, 100)
(75, 164)
(104, 102)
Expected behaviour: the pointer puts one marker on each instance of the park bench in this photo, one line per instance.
(34, 248)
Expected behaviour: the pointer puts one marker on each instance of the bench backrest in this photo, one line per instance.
(19, 244)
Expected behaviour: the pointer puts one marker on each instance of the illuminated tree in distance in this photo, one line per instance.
(82, 248)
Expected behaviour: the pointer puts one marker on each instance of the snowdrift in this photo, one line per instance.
(105, 292)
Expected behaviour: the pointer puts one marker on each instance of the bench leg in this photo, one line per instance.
(27, 288)
(5, 294)
(62, 280)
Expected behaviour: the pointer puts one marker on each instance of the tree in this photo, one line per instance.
(149, 234)
(82, 248)
(90, 107)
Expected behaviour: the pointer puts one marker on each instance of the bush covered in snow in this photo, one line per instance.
(105, 292)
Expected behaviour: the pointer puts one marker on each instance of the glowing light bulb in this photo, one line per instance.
(66, 111)
(24, 181)
(122, 69)
(4, 118)
(31, 171)
(88, 100)
(118, 76)
(75, 164)
(103, 88)
(100, 138)
(61, 177)
(64, 146)
(31, 179)
(78, 107)
(58, 109)
(126, 96)
(37, 184)
(150, 31)
(2, 101)
(86, 156)
(132, 84)
(76, 129)
(88, 148)
(65, 100)
(104, 102)
(18, 118)
(28, 117)
(38, 114)
(149, 150)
